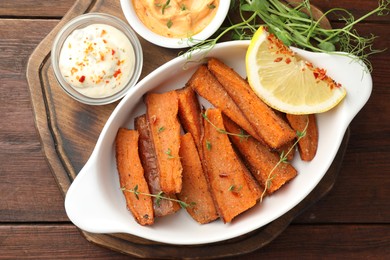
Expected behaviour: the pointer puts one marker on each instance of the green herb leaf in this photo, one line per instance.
(169, 23)
(165, 6)
(208, 145)
(327, 46)
(169, 153)
(211, 6)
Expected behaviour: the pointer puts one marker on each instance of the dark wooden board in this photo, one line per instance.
(69, 130)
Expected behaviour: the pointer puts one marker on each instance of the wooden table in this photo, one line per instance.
(352, 221)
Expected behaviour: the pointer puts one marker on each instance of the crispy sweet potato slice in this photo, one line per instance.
(195, 190)
(260, 160)
(271, 128)
(149, 163)
(307, 145)
(131, 175)
(190, 113)
(161, 111)
(233, 188)
(207, 86)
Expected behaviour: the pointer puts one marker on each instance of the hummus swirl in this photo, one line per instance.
(176, 18)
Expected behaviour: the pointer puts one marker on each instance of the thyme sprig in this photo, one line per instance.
(283, 159)
(296, 26)
(159, 197)
(223, 131)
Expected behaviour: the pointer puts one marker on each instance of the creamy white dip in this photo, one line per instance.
(97, 60)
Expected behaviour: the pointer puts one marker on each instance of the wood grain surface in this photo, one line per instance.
(352, 221)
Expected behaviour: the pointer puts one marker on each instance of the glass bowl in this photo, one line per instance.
(82, 22)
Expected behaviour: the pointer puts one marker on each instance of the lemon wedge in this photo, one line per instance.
(285, 81)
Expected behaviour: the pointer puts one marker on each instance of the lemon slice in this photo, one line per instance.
(285, 81)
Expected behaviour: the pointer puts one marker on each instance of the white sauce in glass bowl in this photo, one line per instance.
(97, 60)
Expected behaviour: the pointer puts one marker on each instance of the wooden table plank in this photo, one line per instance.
(32, 8)
(28, 190)
(57, 9)
(332, 241)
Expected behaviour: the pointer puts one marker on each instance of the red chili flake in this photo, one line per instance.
(101, 56)
(117, 72)
(279, 59)
(281, 47)
(103, 33)
(104, 41)
(319, 73)
(82, 78)
(112, 52)
(288, 60)
(309, 64)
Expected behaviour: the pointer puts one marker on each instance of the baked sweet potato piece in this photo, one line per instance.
(260, 160)
(195, 190)
(149, 162)
(271, 128)
(207, 86)
(190, 113)
(307, 145)
(161, 111)
(234, 189)
(131, 176)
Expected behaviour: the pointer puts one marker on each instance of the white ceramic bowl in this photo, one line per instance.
(95, 202)
(81, 22)
(174, 43)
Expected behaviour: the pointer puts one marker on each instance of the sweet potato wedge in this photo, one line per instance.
(271, 128)
(131, 175)
(149, 163)
(190, 113)
(307, 145)
(195, 190)
(260, 160)
(234, 189)
(161, 111)
(207, 86)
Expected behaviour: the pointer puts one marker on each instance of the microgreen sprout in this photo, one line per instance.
(296, 26)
